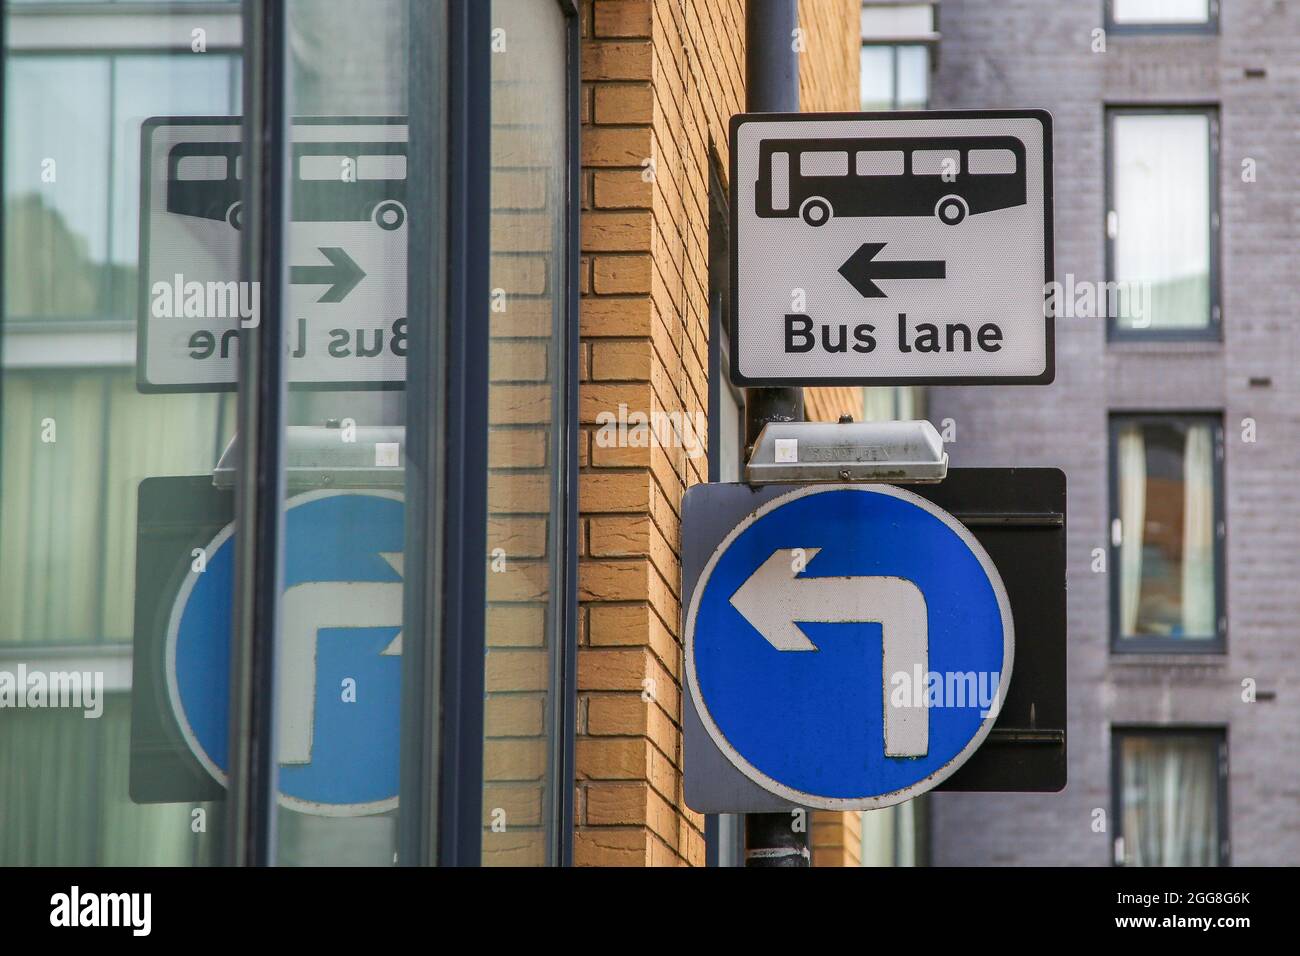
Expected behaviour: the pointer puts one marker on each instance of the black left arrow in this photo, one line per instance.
(862, 267)
(341, 275)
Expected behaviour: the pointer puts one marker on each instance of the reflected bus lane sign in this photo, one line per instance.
(892, 248)
(346, 322)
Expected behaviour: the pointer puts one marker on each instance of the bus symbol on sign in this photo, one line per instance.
(953, 209)
(946, 177)
(333, 182)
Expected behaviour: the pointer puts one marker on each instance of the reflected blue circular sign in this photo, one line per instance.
(339, 657)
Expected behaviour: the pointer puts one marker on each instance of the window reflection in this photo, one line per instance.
(527, 355)
(78, 439)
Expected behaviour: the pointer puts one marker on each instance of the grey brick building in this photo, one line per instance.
(1152, 420)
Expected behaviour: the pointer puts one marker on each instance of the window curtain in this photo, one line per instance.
(1170, 801)
(1162, 206)
(68, 514)
(1198, 534)
(64, 799)
(1132, 517)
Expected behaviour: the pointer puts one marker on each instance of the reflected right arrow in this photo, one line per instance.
(341, 275)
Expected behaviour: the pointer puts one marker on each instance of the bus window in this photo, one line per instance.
(935, 162)
(381, 167)
(990, 161)
(322, 167)
(780, 181)
(824, 164)
(194, 168)
(879, 162)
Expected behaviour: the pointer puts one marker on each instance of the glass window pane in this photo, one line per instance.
(1169, 799)
(57, 209)
(913, 77)
(89, 571)
(1160, 11)
(342, 632)
(903, 20)
(1161, 230)
(1166, 530)
(527, 355)
(145, 86)
(877, 77)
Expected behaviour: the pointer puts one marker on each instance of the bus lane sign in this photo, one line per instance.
(892, 248)
(346, 321)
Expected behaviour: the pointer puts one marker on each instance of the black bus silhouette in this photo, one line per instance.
(332, 182)
(949, 177)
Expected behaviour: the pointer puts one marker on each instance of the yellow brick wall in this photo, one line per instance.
(661, 79)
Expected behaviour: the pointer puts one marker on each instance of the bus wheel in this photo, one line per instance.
(235, 215)
(951, 210)
(390, 214)
(816, 212)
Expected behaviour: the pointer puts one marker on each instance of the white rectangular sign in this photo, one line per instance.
(891, 248)
(346, 304)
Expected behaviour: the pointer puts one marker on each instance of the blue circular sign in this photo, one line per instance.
(849, 646)
(339, 657)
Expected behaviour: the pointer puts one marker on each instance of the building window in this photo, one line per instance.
(1170, 796)
(1162, 223)
(1162, 16)
(78, 437)
(897, 41)
(1167, 533)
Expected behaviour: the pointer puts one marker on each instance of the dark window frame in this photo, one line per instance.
(1120, 644)
(1209, 27)
(1216, 732)
(565, 675)
(1213, 330)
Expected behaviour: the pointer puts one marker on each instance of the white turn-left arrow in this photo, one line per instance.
(775, 598)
